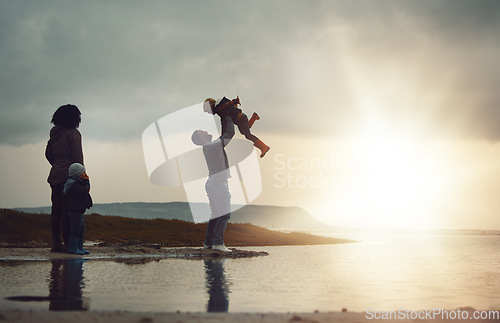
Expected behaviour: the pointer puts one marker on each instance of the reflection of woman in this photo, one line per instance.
(63, 148)
(66, 284)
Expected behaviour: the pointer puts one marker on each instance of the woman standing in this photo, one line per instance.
(63, 149)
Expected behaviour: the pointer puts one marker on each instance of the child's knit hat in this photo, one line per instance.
(75, 170)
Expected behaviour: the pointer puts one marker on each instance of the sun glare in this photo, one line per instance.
(393, 182)
(395, 177)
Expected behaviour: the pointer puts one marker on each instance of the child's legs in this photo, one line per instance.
(253, 118)
(82, 225)
(244, 128)
(75, 224)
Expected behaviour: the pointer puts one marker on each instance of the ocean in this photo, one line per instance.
(381, 272)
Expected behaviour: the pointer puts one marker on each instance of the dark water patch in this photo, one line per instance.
(41, 298)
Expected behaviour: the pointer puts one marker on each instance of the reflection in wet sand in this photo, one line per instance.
(66, 286)
(218, 287)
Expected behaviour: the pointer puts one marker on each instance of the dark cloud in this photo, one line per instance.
(126, 63)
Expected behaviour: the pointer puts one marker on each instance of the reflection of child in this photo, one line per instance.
(77, 189)
(224, 107)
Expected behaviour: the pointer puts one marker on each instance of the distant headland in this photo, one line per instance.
(291, 218)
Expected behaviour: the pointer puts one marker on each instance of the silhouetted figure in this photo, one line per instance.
(63, 148)
(66, 285)
(77, 189)
(218, 288)
(216, 186)
(224, 107)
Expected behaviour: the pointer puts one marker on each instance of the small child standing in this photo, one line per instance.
(77, 189)
(225, 107)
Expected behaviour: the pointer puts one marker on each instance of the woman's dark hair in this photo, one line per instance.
(68, 116)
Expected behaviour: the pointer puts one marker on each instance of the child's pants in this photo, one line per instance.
(244, 128)
(76, 224)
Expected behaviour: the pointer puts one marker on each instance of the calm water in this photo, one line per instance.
(383, 272)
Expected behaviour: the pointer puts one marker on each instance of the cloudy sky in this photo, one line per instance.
(379, 113)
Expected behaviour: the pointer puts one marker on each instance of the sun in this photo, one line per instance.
(393, 182)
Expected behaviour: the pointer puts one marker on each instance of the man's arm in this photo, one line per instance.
(228, 128)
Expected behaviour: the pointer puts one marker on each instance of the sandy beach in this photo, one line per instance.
(126, 317)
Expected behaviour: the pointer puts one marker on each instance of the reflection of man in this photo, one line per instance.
(216, 187)
(218, 289)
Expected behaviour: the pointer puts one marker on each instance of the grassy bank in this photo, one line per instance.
(26, 229)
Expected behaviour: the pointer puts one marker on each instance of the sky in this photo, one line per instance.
(378, 113)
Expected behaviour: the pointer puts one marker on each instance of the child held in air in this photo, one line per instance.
(224, 107)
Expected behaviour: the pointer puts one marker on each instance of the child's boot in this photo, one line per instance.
(254, 118)
(263, 147)
(73, 247)
(80, 246)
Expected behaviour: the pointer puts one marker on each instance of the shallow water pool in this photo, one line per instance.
(380, 273)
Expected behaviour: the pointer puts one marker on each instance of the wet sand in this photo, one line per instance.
(126, 317)
(107, 252)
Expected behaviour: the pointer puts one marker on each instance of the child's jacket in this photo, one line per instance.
(222, 109)
(77, 194)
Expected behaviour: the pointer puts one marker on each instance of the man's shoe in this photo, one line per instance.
(221, 247)
(207, 246)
